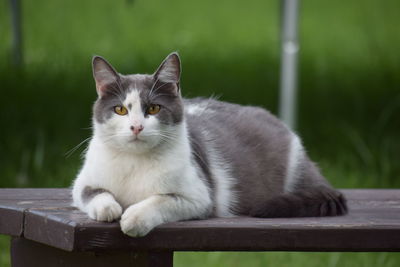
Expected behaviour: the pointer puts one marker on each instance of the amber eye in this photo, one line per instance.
(153, 109)
(120, 110)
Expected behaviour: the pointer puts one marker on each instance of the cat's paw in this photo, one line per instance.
(104, 208)
(138, 220)
(334, 204)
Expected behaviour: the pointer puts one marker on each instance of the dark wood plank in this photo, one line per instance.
(372, 194)
(51, 228)
(12, 212)
(15, 201)
(373, 224)
(237, 234)
(11, 221)
(26, 253)
(21, 194)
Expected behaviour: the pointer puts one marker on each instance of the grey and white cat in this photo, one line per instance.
(156, 157)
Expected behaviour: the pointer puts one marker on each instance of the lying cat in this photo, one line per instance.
(156, 157)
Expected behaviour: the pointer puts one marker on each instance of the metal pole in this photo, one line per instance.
(289, 52)
(16, 32)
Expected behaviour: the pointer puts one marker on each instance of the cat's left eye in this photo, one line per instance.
(120, 110)
(153, 109)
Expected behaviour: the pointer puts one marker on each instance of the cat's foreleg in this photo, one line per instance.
(141, 218)
(97, 202)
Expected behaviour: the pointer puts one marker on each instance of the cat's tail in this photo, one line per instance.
(311, 202)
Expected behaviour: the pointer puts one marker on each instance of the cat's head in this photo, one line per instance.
(137, 112)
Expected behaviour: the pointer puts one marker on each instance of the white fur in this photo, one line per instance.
(295, 156)
(135, 114)
(152, 186)
(196, 109)
(103, 207)
(199, 109)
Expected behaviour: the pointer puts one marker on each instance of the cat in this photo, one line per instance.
(156, 157)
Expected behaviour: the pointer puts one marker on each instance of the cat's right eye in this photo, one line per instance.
(120, 110)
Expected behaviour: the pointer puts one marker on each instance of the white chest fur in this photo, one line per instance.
(132, 178)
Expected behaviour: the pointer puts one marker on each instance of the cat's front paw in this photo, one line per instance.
(137, 221)
(104, 208)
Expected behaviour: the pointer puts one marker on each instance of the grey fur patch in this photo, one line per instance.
(256, 144)
(170, 69)
(200, 158)
(199, 154)
(252, 141)
(167, 96)
(315, 201)
(88, 193)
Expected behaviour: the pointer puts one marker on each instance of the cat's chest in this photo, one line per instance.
(132, 180)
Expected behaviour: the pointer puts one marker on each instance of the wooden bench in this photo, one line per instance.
(47, 231)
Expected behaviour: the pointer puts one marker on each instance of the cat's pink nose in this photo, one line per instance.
(137, 129)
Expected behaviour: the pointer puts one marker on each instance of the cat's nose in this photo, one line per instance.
(137, 129)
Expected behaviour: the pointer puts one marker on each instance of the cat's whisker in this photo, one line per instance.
(155, 90)
(167, 134)
(84, 151)
(161, 131)
(72, 150)
(108, 137)
(214, 97)
(118, 93)
(164, 136)
(171, 137)
(119, 86)
(151, 90)
(87, 128)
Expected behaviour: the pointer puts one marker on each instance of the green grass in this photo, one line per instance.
(4, 251)
(349, 97)
(309, 259)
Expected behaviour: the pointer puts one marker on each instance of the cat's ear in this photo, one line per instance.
(170, 69)
(104, 74)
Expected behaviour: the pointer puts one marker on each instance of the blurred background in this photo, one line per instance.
(348, 99)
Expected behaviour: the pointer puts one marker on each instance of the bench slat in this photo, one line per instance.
(12, 212)
(373, 224)
(34, 193)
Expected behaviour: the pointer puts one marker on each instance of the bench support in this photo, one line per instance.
(26, 253)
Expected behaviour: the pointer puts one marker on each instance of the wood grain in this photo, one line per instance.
(45, 216)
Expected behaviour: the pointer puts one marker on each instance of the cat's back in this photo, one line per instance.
(210, 115)
(250, 141)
